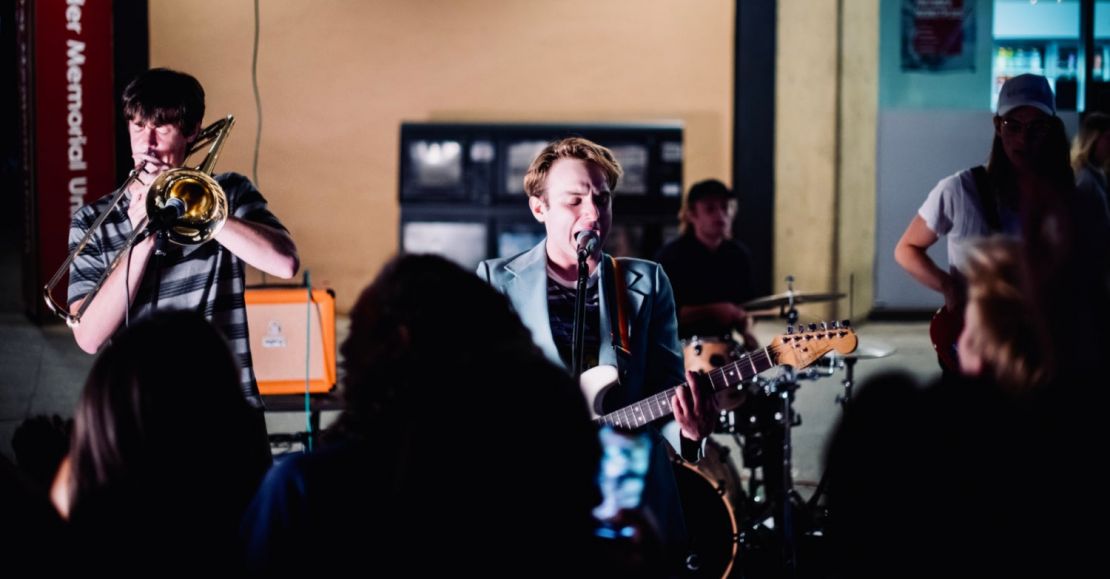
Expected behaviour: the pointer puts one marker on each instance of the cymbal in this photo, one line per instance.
(783, 300)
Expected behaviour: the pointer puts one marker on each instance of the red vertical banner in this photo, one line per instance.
(68, 112)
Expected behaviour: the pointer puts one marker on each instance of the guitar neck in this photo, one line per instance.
(658, 406)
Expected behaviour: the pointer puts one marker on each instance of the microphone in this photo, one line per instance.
(587, 241)
(168, 213)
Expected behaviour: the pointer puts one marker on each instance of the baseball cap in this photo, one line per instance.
(1026, 90)
(708, 188)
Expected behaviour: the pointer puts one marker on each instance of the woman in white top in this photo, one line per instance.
(1028, 168)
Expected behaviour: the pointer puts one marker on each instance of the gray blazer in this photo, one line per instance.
(654, 365)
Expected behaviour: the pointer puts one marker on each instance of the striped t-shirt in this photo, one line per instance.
(205, 278)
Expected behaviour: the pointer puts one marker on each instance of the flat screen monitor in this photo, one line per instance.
(434, 169)
(462, 242)
(634, 162)
(518, 157)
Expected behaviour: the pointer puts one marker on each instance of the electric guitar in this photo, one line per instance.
(792, 349)
(944, 332)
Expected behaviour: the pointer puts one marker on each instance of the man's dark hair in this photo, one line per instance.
(165, 97)
(144, 473)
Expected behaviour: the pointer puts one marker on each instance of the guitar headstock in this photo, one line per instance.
(802, 348)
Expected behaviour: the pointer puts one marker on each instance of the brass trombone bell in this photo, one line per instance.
(203, 205)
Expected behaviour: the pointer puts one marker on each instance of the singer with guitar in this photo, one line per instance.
(1028, 168)
(629, 320)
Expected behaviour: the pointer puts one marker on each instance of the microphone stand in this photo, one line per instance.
(159, 225)
(579, 316)
(156, 263)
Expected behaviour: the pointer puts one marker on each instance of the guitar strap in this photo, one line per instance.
(988, 198)
(989, 202)
(618, 315)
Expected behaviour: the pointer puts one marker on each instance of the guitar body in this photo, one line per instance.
(595, 384)
(944, 332)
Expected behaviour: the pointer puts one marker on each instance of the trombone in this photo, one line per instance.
(184, 205)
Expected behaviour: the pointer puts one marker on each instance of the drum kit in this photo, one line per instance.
(757, 530)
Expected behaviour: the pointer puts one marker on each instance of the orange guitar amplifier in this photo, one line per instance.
(292, 339)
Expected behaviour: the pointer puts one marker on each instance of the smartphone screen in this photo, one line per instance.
(624, 465)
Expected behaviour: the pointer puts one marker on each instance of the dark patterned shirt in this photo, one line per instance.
(205, 278)
(560, 311)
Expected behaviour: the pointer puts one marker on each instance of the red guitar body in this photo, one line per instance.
(944, 331)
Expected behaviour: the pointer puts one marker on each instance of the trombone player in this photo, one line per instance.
(164, 109)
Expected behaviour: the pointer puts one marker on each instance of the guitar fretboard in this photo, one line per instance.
(658, 406)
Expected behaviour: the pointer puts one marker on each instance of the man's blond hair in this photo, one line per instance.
(535, 180)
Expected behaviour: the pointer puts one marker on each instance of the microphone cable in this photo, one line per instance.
(307, 358)
(257, 96)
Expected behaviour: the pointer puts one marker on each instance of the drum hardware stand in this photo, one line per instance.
(780, 501)
(770, 432)
(781, 496)
(786, 503)
(849, 365)
(816, 373)
(795, 520)
(790, 312)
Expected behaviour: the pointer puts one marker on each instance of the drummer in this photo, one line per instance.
(709, 271)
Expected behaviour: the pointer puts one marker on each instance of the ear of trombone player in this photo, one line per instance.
(207, 228)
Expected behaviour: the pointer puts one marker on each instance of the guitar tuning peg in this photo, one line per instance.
(846, 323)
(836, 325)
(813, 327)
(789, 329)
(824, 326)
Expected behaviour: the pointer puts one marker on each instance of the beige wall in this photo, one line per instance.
(338, 77)
(825, 149)
(859, 114)
(805, 145)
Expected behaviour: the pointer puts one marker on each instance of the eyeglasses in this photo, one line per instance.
(1035, 129)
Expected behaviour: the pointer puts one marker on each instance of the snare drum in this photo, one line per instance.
(705, 354)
